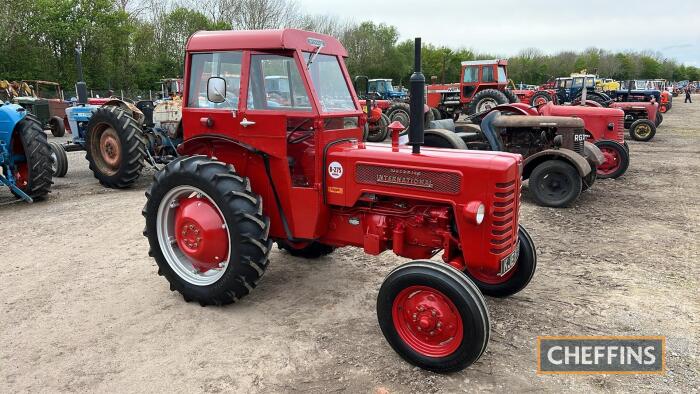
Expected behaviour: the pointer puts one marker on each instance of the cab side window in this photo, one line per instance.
(487, 74)
(276, 84)
(471, 74)
(226, 65)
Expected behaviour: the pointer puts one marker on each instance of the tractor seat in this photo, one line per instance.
(489, 132)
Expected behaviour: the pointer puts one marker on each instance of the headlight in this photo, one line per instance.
(475, 212)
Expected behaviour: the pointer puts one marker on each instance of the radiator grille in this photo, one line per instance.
(621, 128)
(438, 181)
(504, 221)
(578, 147)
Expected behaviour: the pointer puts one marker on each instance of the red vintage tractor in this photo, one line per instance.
(253, 171)
(603, 127)
(483, 85)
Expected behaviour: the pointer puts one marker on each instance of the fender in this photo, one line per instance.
(578, 161)
(131, 108)
(516, 109)
(10, 115)
(593, 154)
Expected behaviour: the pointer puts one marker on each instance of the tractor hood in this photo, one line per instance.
(353, 171)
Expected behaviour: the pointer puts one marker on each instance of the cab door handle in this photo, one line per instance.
(245, 122)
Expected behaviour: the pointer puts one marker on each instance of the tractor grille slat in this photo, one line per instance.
(504, 217)
(578, 147)
(621, 128)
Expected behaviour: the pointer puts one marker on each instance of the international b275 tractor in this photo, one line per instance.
(25, 155)
(254, 171)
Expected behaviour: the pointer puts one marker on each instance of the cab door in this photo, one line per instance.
(200, 116)
(470, 81)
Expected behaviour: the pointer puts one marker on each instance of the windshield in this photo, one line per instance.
(47, 91)
(328, 81)
(502, 74)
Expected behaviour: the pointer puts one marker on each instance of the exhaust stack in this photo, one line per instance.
(80, 86)
(417, 104)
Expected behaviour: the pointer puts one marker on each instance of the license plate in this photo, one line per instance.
(508, 262)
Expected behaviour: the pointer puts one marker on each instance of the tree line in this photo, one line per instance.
(132, 44)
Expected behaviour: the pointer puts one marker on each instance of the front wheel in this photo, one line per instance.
(377, 132)
(659, 119)
(433, 316)
(59, 159)
(519, 276)
(642, 130)
(58, 129)
(555, 183)
(617, 159)
(206, 230)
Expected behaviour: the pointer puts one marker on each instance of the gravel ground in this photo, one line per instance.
(82, 308)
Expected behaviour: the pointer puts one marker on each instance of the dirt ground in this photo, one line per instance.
(82, 309)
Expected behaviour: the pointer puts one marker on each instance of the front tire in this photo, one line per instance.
(433, 316)
(659, 118)
(116, 148)
(206, 230)
(520, 275)
(642, 130)
(379, 131)
(555, 183)
(617, 159)
(540, 98)
(58, 129)
(59, 160)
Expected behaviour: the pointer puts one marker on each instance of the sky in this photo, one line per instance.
(504, 27)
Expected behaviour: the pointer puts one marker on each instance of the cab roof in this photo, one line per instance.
(226, 40)
(500, 62)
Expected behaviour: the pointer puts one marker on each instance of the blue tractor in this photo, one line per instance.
(570, 90)
(119, 137)
(27, 160)
(382, 89)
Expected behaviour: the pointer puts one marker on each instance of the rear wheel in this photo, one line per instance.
(519, 276)
(59, 160)
(486, 100)
(433, 316)
(206, 230)
(32, 169)
(377, 132)
(555, 183)
(642, 130)
(617, 159)
(512, 97)
(58, 129)
(116, 148)
(540, 98)
(311, 250)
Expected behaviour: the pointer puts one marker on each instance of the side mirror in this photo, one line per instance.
(216, 90)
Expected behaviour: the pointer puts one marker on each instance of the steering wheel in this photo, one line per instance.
(301, 138)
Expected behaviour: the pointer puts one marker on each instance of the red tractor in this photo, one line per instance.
(641, 118)
(603, 127)
(253, 171)
(483, 85)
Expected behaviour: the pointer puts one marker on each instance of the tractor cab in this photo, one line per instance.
(478, 75)
(571, 88)
(383, 89)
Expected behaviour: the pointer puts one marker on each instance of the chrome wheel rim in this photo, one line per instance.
(176, 259)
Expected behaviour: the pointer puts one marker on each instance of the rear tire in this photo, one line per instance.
(33, 175)
(379, 132)
(512, 97)
(522, 273)
(540, 98)
(59, 159)
(245, 229)
(485, 100)
(116, 148)
(619, 156)
(58, 129)
(555, 183)
(313, 250)
(433, 316)
(642, 130)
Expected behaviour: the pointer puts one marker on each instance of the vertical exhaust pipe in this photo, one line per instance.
(417, 104)
(80, 86)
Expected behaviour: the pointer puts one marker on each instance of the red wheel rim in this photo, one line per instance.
(21, 169)
(612, 161)
(427, 321)
(663, 109)
(200, 233)
(540, 101)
